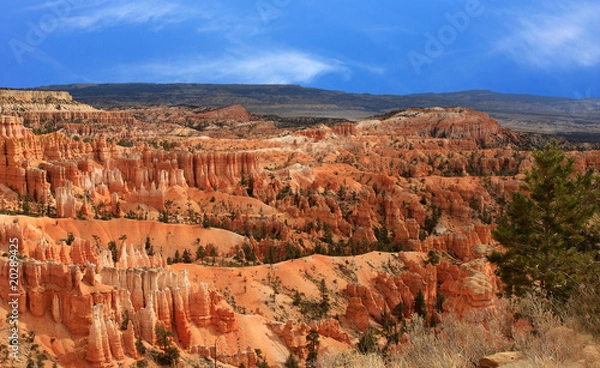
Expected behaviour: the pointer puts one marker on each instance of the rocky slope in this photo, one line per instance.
(235, 241)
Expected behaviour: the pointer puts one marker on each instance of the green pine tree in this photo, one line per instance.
(547, 229)
(368, 343)
(177, 257)
(420, 306)
(312, 345)
(186, 257)
(200, 253)
(291, 362)
(324, 305)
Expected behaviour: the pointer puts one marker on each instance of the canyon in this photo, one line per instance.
(106, 204)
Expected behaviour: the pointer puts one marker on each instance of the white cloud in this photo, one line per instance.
(274, 67)
(102, 14)
(562, 35)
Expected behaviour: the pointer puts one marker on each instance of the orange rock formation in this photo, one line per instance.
(379, 197)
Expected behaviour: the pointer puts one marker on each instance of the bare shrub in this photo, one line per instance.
(349, 359)
(549, 341)
(583, 310)
(556, 341)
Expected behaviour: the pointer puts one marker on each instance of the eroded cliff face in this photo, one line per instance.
(465, 288)
(376, 199)
(55, 169)
(112, 304)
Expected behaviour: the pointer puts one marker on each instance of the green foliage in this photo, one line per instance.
(297, 299)
(291, 362)
(200, 253)
(249, 253)
(432, 221)
(27, 205)
(148, 247)
(391, 330)
(125, 143)
(169, 354)
(163, 337)
(186, 257)
(547, 229)
(177, 257)
(271, 256)
(261, 361)
(166, 145)
(168, 357)
(439, 302)
(368, 343)
(70, 238)
(420, 307)
(139, 346)
(284, 192)
(125, 321)
(164, 215)
(313, 310)
(324, 306)
(206, 222)
(399, 311)
(328, 234)
(433, 257)
(312, 345)
(112, 246)
(292, 252)
(385, 240)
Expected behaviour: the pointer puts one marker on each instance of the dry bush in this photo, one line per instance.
(550, 342)
(583, 311)
(351, 359)
(558, 341)
(542, 346)
(458, 343)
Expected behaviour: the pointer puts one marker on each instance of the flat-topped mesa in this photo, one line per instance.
(29, 96)
(57, 110)
(451, 123)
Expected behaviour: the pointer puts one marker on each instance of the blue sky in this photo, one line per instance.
(391, 46)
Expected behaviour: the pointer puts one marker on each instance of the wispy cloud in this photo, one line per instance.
(561, 35)
(101, 14)
(273, 67)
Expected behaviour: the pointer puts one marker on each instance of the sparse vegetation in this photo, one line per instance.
(169, 354)
(312, 346)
